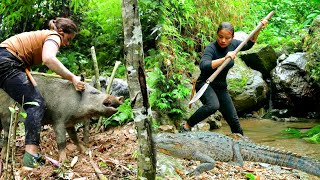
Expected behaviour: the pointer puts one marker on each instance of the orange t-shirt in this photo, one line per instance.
(27, 46)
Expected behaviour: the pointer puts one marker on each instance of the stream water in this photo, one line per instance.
(268, 132)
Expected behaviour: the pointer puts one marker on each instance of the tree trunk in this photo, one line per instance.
(133, 52)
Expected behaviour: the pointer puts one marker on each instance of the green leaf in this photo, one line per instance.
(23, 114)
(12, 110)
(250, 176)
(313, 139)
(32, 103)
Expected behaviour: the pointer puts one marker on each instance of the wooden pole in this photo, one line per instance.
(112, 76)
(11, 139)
(96, 69)
(108, 89)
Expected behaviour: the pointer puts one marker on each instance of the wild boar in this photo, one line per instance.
(65, 107)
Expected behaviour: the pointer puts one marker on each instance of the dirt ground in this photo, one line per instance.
(114, 152)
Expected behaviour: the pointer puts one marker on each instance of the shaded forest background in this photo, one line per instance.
(175, 33)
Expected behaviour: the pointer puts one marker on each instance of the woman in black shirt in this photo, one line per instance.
(216, 97)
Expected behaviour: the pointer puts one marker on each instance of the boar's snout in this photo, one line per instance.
(113, 101)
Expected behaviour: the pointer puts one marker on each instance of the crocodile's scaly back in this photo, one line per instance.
(209, 146)
(185, 145)
(258, 153)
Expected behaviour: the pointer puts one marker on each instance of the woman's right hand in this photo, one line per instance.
(78, 85)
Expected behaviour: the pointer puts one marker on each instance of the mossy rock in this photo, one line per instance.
(311, 46)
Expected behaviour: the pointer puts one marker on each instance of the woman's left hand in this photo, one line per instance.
(230, 54)
(264, 23)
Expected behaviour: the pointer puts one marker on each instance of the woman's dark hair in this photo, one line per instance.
(67, 25)
(226, 25)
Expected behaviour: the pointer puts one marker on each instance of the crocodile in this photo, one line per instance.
(208, 147)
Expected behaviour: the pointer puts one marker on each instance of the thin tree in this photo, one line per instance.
(133, 52)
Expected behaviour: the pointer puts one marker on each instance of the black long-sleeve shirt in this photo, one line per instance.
(213, 52)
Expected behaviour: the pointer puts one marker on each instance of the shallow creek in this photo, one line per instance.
(268, 132)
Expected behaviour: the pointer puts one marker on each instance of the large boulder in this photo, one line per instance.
(260, 57)
(119, 87)
(293, 88)
(247, 87)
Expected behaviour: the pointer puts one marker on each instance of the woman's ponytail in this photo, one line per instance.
(65, 24)
(52, 25)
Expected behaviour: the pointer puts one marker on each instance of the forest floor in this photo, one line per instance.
(114, 152)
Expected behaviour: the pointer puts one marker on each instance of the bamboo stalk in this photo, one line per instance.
(108, 89)
(13, 142)
(112, 76)
(6, 169)
(97, 81)
(96, 69)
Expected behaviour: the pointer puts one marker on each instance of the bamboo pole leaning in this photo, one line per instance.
(96, 68)
(117, 64)
(11, 144)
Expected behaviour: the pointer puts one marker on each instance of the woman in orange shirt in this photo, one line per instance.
(17, 54)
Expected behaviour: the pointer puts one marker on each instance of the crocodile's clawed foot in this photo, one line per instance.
(193, 173)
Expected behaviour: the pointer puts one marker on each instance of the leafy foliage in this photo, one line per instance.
(29, 15)
(22, 113)
(169, 92)
(312, 44)
(312, 135)
(101, 27)
(121, 117)
(291, 16)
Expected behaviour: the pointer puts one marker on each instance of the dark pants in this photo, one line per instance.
(14, 81)
(213, 99)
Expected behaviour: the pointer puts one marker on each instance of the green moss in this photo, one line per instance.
(238, 84)
(312, 45)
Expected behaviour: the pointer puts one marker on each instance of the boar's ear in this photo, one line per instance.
(121, 99)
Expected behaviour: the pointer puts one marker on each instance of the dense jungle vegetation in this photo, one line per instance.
(175, 32)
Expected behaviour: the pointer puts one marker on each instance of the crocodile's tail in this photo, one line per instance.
(255, 153)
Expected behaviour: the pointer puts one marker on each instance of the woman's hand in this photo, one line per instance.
(78, 85)
(230, 54)
(264, 23)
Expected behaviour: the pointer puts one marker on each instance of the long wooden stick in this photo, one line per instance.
(95, 167)
(112, 76)
(108, 89)
(97, 170)
(34, 83)
(11, 141)
(96, 69)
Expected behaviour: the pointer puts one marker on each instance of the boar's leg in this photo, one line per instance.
(73, 135)
(60, 131)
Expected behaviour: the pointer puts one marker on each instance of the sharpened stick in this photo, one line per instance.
(34, 83)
